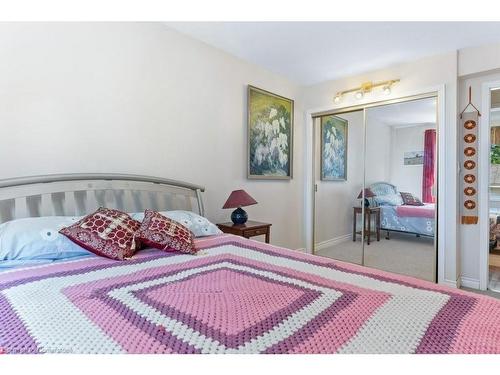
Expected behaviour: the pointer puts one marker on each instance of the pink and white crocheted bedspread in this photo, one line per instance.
(237, 296)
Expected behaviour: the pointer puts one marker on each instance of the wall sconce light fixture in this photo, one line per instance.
(359, 92)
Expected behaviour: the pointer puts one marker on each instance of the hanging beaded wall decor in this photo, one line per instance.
(468, 176)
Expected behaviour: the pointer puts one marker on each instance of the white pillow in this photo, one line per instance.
(198, 225)
(38, 238)
(389, 200)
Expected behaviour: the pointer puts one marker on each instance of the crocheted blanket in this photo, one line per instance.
(236, 296)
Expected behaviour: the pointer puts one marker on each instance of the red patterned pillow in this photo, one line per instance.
(165, 234)
(106, 232)
(410, 200)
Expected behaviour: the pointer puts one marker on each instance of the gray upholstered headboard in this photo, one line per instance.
(79, 194)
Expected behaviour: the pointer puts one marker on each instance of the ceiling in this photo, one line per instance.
(312, 52)
(422, 111)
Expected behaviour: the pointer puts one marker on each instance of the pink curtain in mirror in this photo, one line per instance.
(429, 165)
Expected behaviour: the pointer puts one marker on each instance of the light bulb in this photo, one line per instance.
(387, 89)
(337, 98)
(359, 95)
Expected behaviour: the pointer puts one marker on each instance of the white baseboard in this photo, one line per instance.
(332, 242)
(469, 282)
(451, 283)
(302, 250)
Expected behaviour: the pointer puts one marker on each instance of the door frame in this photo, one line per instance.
(446, 219)
(484, 183)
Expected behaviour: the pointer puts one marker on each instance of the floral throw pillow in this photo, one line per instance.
(410, 200)
(162, 233)
(198, 225)
(106, 232)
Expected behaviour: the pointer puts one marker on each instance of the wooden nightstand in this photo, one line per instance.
(369, 211)
(247, 230)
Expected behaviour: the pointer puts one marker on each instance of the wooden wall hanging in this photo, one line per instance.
(469, 124)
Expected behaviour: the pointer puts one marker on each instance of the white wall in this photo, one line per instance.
(416, 77)
(407, 178)
(378, 151)
(478, 59)
(139, 98)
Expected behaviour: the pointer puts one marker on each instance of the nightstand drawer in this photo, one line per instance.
(248, 229)
(255, 232)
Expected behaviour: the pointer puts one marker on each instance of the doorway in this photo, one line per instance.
(375, 186)
(491, 176)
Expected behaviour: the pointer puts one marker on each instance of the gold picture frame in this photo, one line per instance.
(334, 146)
(269, 135)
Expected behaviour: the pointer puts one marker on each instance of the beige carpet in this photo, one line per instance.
(493, 284)
(494, 281)
(485, 292)
(403, 254)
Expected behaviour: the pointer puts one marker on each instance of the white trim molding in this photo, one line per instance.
(469, 282)
(450, 283)
(333, 241)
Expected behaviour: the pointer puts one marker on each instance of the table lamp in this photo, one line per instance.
(238, 199)
(368, 194)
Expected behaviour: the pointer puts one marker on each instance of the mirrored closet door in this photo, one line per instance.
(401, 174)
(376, 187)
(338, 173)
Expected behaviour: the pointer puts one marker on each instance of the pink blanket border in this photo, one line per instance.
(427, 211)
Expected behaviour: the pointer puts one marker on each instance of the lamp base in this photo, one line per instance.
(239, 216)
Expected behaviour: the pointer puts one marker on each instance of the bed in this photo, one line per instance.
(234, 296)
(397, 217)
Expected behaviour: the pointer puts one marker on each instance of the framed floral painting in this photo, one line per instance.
(270, 135)
(333, 148)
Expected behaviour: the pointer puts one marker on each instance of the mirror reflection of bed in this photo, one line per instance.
(396, 173)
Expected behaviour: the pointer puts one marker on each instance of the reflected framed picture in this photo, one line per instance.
(413, 158)
(333, 148)
(270, 135)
